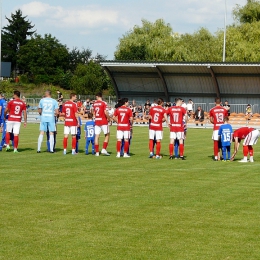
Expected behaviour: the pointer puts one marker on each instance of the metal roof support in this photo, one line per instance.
(165, 87)
(113, 81)
(215, 81)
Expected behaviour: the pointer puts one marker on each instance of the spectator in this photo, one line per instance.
(147, 103)
(87, 106)
(154, 103)
(184, 104)
(199, 115)
(146, 110)
(227, 107)
(190, 108)
(59, 96)
(79, 106)
(249, 112)
(139, 113)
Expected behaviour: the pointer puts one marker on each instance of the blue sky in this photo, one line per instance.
(98, 24)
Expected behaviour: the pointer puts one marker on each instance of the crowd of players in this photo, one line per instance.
(98, 120)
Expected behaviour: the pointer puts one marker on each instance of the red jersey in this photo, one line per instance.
(218, 113)
(157, 114)
(70, 108)
(242, 132)
(176, 114)
(100, 108)
(123, 115)
(16, 107)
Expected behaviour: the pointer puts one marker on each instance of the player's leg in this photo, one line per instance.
(97, 134)
(52, 129)
(180, 137)
(176, 148)
(251, 139)
(122, 147)
(129, 143)
(16, 131)
(228, 152)
(55, 138)
(48, 140)
(65, 139)
(43, 128)
(151, 142)
(126, 135)
(73, 130)
(9, 129)
(105, 129)
(93, 145)
(3, 142)
(173, 136)
(216, 144)
(251, 153)
(224, 154)
(119, 136)
(159, 137)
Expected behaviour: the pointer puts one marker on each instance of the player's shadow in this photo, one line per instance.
(20, 150)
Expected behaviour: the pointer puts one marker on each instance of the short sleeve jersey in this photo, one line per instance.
(157, 115)
(123, 116)
(100, 107)
(3, 105)
(218, 113)
(70, 109)
(90, 129)
(225, 132)
(242, 132)
(16, 107)
(176, 114)
(48, 106)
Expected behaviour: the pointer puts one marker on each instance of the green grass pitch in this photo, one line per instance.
(86, 207)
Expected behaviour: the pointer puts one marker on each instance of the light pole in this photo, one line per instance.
(225, 31)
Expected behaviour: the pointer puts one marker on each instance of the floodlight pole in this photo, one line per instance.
(225, 30)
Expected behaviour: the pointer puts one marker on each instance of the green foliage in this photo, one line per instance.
(77, 56)
(6, 87)
(14, 36)
(249, 13)
(89, 78)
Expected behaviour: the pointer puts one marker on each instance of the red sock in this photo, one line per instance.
(74, 142)
(158, 148)
(215, 148)
(7, 138)
(118, 146)
(16, 140)
(65, 142)
(245, 150)
(105, 144)
(251, 150)
(171, 149)
(126, 147)
(97, 148)
(151, 145)
(181, 147)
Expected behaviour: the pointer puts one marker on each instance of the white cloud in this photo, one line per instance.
(79, 17)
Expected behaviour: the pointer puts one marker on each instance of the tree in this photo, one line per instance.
(247, 14)
(89, 78)
(43, 57)
(151, 41)
(14, 36)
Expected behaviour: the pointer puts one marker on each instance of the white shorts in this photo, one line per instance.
(70, 130)
(251, 138)
(215, 135)
(103, 128)
(177, 135)
(158, 135)
(122, 134)
(13, 126)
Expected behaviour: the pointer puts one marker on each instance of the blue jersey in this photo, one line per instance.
(48, 106)
(225, 132)
(3, 105)
(90, 129)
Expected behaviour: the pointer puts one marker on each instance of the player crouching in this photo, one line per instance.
(250, 136)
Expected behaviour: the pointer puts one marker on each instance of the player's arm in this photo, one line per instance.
(7, 110)
(211, 119)
(25, 117)
(236, 146)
